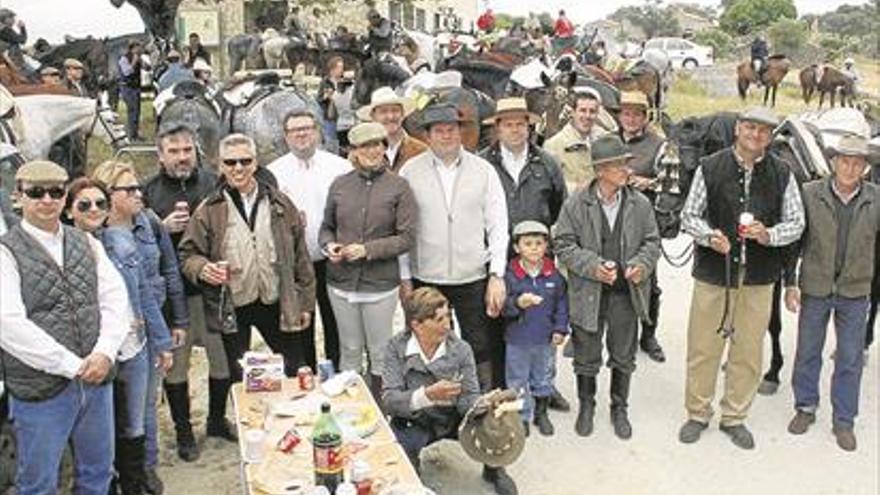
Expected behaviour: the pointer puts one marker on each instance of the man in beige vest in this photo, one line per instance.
(571, 145)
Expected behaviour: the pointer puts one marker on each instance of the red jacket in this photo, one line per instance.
(563, 28)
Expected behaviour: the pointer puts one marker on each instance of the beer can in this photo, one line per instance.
(326, 370)
(289, 441)
(609, 265)
(305, 378)
(224, 265)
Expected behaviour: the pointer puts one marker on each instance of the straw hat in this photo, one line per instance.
(385, 96)
(512, 106)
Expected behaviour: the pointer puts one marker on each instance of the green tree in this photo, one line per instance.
(719, 40)
(788, 36)
(652, 18)
(750, 16)
(850, 21)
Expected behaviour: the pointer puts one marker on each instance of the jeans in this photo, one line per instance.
(132, 99)
(81, 415)
(130, 395)
(151, 427)
(528, 372)
(849, 326)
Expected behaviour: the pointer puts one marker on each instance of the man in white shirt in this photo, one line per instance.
(63, 319)
(305, 175)
(461, 237)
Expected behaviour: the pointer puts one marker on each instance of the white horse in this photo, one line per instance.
(47, 118)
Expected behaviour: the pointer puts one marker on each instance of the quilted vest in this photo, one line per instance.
(61, 301)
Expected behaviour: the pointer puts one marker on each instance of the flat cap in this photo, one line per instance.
(41, 171)
(527, 227)
(441, 113)
(759, 115)
(72, 62)
(851, 145)
(366, 132)
(49, 71)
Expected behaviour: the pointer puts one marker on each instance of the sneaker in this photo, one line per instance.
(740, 436)
(768, 387)
(846, 439)
(801, 422)
(690, 431)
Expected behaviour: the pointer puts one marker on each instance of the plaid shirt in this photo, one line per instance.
(785, 232)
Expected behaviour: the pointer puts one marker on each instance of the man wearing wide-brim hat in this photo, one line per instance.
(390, 110)
(461, 236)
(646, 146)
(63, 319)
(571, 145)
(532, 179)
(607, 239)
(743, 209)
(837, 264)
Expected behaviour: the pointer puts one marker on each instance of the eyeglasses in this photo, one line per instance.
(85, 205)
(299, 130)
(128, 189)
(232, 162)
(39, 192)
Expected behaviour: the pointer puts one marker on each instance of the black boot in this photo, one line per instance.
(153, 484)
(542, 420)
(178, 402)
(218, 426)
(484, 376)
(375, 384)
(586, 386)
(501, 481)
(619, 396)
(130, 458)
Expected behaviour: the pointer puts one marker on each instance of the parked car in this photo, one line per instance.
(683, 53)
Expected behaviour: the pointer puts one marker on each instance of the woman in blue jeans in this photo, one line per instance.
(160, 266)
(149, 335)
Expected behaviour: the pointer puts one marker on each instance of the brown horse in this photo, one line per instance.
(777, 68)
(809, 78)
(832, 81)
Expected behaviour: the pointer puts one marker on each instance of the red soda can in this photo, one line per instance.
(224, 265)
(289, 441)
(306, 378)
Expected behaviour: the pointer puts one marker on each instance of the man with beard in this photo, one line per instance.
(305, 175)
(389, 110)
(173, 194)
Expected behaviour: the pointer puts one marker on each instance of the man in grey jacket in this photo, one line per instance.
(607, 239)
(837, 264)
(429, 381)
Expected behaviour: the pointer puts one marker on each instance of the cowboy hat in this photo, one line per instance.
(385, 96)
(635, 99)
(492, 432)
(609, 148)
(512, 106)
(850, 145)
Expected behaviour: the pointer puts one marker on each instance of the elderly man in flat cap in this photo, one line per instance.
(63, 322)
(607, 239)
(74, 70)
(837, 264)
(743, 209)
(50, 76)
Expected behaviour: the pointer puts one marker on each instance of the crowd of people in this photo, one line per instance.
(110, 280)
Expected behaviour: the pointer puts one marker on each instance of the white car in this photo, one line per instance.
(683, 53)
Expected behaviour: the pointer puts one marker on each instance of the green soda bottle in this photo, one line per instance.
(327, 444)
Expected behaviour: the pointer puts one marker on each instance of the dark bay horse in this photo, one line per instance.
(474, 107)
(777, 68)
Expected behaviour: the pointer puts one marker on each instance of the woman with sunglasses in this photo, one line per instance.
(245, 248)
(369, 220)
(160, 264)
(88, 207)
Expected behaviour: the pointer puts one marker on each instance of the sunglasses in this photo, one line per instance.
(128, 189)
(85, 205)
(244, 162)
(39, 192)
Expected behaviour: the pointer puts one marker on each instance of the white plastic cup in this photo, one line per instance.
(253, 445)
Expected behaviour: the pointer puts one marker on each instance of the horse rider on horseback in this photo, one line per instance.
(849, 70)
(294, 26)
(760, 52)
(378, 34)
(13, 35)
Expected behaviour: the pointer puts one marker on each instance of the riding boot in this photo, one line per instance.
(542, 420)
(376, 388)
(130, 458)
(619, 395)
(178, 403)
(586, 388)
(218, 425)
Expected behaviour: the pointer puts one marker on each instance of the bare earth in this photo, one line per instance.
(652, 462)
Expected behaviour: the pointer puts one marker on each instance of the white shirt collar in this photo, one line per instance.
(41, 235)
(413, 347)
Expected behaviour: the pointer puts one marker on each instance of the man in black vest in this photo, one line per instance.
(63, 318)
(743, 208)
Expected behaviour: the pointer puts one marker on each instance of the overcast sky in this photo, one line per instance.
(52, 19)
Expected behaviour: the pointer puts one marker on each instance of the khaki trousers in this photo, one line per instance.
(750, 310)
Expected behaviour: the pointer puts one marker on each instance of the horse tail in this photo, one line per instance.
(742, 85)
